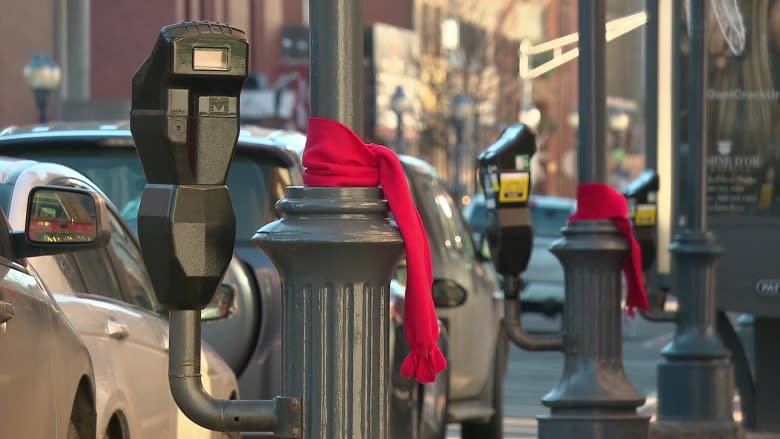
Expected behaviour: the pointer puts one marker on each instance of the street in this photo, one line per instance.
(532, 374)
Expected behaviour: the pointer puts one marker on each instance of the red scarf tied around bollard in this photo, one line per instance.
(336, 156)
(599, 201)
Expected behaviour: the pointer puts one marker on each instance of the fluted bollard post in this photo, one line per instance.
(594, 398)
(695, 382)
(336, 253)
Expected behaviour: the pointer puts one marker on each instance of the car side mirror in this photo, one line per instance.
(222, 305)
(448, 293)
(62, 219)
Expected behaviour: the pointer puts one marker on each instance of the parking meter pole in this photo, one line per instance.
(696, 354)
(336, 42)
(336, 253)
(220, 415)
(513, 323)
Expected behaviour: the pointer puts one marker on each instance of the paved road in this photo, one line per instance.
(532, 374)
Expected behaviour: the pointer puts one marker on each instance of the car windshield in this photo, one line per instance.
(119, 175)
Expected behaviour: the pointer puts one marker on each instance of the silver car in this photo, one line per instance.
(46, 375)
(107, 296)
(471, 309)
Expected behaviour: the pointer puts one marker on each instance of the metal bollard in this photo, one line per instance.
(696, 383)
(594, 399)
(336, 253)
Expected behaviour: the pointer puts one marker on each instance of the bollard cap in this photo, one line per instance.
(336, 156)
(599, 201)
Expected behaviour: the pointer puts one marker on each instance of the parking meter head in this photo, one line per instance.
(643, 212)
(185, 103)
(505, 175)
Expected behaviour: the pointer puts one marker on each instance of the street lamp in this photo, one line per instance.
(461, 112)
(42, 75)
(400, 104)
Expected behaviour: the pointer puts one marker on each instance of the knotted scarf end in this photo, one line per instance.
(423, 364)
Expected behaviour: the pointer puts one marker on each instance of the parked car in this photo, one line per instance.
(107, 296)
(250, 340)
(46, 375)
(477, 344)
(544, 292)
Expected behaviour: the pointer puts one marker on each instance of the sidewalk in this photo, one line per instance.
(532, 374)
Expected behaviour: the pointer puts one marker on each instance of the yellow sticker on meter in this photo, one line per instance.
(645, 215)
(513, 187)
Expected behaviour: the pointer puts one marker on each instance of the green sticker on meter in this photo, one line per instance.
(522, 162)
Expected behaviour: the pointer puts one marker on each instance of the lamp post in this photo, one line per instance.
(42, 75)
(461, 113)
(400, 104)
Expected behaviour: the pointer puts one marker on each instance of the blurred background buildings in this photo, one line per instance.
(442, 76)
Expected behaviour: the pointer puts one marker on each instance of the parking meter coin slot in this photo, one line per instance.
(505, 175)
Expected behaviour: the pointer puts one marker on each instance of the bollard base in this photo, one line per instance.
(696, 430)
(695, 391)
(593, 426)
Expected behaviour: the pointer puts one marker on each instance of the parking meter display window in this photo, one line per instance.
(208, 58)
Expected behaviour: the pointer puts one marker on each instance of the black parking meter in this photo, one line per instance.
(643, 212)
(185, 123)
(505, 175)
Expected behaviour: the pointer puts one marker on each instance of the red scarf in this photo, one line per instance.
(336, 156)
(599, 201)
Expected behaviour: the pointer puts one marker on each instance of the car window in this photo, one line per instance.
(97, 273)
(118, 173)
(442, 219)
(58, 273)
(130, 269)
(253, 187)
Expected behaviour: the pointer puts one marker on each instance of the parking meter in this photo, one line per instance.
(185, 123)
(505, 175)
(643, 213)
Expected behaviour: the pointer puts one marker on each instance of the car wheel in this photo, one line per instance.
(492, 428)
(73, 433)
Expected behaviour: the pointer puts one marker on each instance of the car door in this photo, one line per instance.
(26, 369)
(472, 337)
(127, 347)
